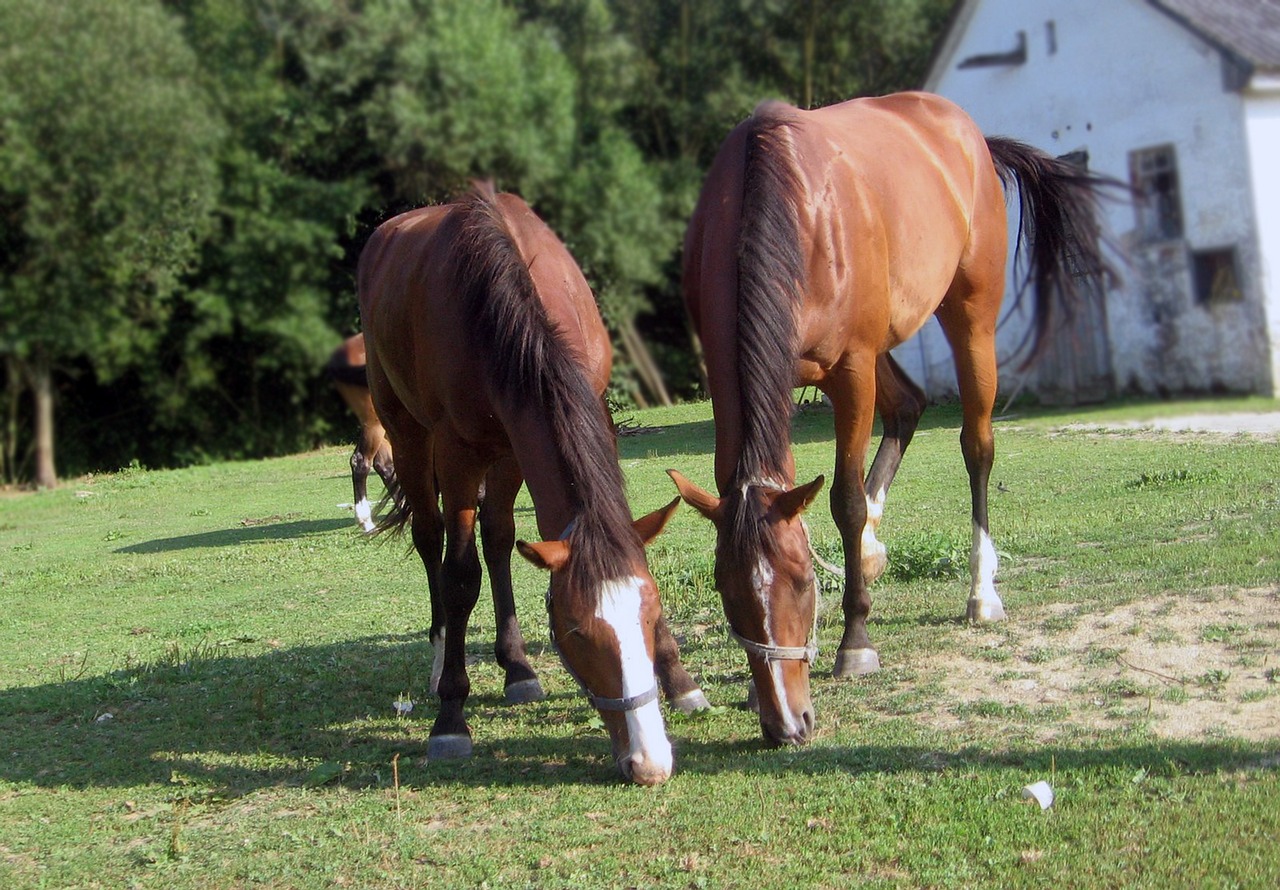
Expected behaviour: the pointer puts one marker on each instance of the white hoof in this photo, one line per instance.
(690, 702)
(981, 610)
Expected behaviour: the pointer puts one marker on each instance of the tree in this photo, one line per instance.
(106, 182)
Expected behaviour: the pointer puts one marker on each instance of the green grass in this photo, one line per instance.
(199, 671)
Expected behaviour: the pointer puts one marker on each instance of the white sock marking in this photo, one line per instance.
(437, 661)
(875, 512)
(364, 514)
(620, 609)
(983, 563)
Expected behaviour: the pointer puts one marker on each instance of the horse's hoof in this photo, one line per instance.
(753, 698)
(523, 692)
(873, 566)
(981, 611)
(855, 663)
(689, 702)
(450, 746)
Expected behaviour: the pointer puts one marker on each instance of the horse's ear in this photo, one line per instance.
(792, 503)
(652, 524)
(549, 555)
(698, 498)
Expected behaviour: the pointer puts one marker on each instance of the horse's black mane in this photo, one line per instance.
(770, 281)
(529, 363)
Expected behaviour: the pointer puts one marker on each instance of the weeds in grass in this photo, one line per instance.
(937, 557)
(1167, 478)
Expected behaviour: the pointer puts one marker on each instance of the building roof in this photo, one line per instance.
(1249, 30)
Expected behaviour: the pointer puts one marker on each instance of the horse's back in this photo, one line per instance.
(902, 200)
(422, 339)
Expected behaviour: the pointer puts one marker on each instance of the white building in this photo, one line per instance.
(1181, 99)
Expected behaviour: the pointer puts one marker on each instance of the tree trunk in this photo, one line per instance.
(9, 435)
(646, 368)
(41, 376)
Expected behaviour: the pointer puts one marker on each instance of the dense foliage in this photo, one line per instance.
(186, 186)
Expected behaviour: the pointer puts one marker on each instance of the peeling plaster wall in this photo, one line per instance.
(1110, 77)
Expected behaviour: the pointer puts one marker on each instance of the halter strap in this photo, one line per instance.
(770, 652)
(631, 703)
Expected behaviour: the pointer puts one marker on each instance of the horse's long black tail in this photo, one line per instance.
(1058, 227)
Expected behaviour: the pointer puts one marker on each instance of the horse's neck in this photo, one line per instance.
(541, 463)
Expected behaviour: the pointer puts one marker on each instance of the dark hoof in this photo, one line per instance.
(453, 746)
(689, 702)
(855, 663)
(523, 692)
(982, 611)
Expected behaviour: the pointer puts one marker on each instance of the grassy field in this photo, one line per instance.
(199, 672)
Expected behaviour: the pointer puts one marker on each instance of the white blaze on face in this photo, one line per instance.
(620, 609)
(761, 582)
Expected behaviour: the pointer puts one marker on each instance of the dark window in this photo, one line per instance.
(1216, 277)
(1153, 172)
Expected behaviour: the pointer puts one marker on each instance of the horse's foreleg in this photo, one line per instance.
(853, 397)
(900, 404)
(682, 691)
(498, 537)
(460, 589)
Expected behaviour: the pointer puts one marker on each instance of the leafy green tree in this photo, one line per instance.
(106, 182)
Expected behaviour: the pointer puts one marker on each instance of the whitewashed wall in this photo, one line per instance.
(1108, 77)
(1262, 124)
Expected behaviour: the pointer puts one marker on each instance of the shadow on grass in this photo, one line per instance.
(210, 722)
(229, 537)
(811, 424)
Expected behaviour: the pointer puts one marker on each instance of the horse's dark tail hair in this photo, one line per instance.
(770, 284)
(1058, 204)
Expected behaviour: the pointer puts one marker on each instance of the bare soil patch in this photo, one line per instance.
(1262, 425)
(1205, 665)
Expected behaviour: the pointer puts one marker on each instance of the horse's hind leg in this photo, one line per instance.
(360, 488)
(900, 404)
(974, 349)
(498, 538)
(852, 392)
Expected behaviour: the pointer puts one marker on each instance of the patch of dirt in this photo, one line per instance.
(1263, 425)
(1201, 666)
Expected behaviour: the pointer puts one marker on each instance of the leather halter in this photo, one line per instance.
(768, 651)
(599, 702)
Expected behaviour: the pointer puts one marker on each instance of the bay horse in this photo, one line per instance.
(821, 240)
(346, 368)
(487, 355)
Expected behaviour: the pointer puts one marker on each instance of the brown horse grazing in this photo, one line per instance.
(346, 368)
(821, 240)
(487, 354)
